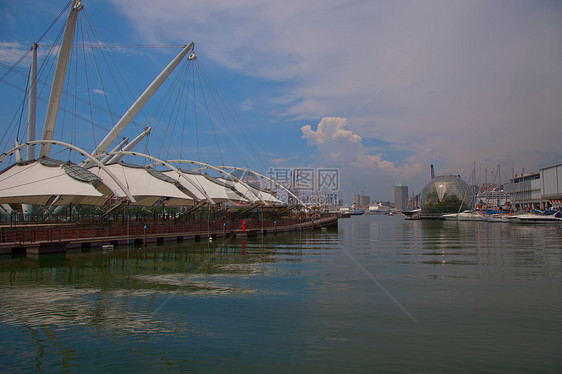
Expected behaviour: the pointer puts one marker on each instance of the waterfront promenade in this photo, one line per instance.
(53, 238)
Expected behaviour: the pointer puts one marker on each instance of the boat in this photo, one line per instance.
(539, 217)
(451, 216)
(466, 215)
(412, 214)
(497, 217)
(356, 212)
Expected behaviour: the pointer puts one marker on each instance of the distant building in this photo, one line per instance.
(357, 200)
(401, 197)
(551, 186)
(540, 190)
(365, 201)
(446, 194)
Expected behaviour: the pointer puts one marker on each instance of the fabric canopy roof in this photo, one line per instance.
(147, 186)
(41, 182)
(213, 187)
(251, 193)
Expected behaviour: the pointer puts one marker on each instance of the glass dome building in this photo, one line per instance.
(445, 194)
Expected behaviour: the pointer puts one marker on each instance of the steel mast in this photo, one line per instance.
(59, 78)
(137, 106)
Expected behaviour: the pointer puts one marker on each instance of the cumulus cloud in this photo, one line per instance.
(474, 79)
(338, 146)
(330, 130)
(452, 82)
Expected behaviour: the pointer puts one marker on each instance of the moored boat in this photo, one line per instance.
(467, 215)
(539, 217)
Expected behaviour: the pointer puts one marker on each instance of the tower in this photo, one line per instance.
(401, 197)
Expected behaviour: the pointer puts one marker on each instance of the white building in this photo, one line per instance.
(540, 190)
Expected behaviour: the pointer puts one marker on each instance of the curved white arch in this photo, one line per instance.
(158, 161)
(268, 179)
(82, 152)
(222, 172)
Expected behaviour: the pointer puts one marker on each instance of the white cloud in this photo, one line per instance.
(338, 146)
(434, 71)
(451, 81)
(11, 52)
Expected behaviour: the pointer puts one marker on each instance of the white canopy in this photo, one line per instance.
(252, 193)
(147, 186)
(39, 182)
(214, 188)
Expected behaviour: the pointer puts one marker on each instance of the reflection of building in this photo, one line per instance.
(401, 197)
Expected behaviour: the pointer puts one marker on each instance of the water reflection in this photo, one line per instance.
(468, 250)
(121, 289)
(293, 302)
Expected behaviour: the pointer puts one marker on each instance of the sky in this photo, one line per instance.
(379, 90)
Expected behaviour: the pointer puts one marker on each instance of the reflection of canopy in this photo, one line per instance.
(147, 186)
(39, 182)
(218, 191)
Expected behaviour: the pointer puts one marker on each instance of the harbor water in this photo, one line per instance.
(377, 294)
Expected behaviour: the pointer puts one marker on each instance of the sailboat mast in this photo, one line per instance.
(59, 78)
(32, 107)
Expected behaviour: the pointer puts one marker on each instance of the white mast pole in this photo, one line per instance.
(137, 106)
(116, 158)
(59, 78)
(28, 209)
(32, 106)
(117, 148)
(19, 159)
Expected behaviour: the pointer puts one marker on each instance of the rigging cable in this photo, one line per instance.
(72, 96)
(228, 106)
(208, 111)
(235, 141)
(23, 104)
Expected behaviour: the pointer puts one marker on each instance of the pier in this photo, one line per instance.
(59, 238)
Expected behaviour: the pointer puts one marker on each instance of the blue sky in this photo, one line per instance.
(379, 89)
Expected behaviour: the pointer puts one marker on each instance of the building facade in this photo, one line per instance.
(540, 190)
(551, 186)
(401, 197)
(365, 201)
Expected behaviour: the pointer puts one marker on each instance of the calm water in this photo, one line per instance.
(377, 294)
